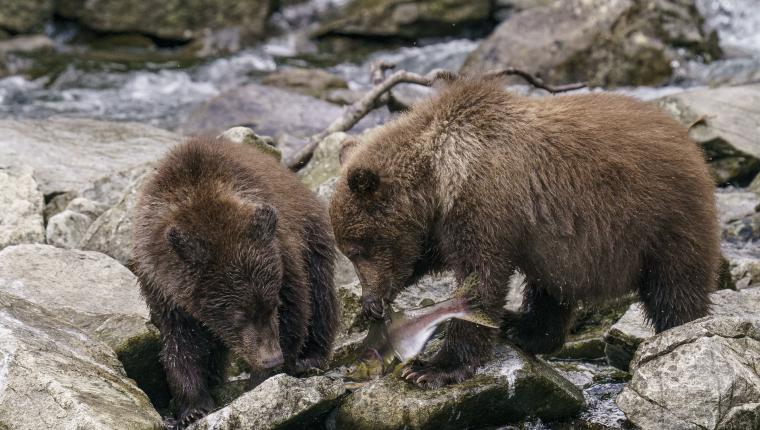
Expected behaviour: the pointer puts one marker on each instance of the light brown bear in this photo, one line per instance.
(590, 196)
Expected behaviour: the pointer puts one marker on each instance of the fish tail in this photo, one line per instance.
(475, 313)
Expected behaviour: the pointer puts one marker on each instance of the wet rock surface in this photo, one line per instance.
(54, 376)
(700, 375)
(279, 402)
(22, 207)
(507, 389)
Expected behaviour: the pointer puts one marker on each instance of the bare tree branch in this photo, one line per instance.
(382, 85)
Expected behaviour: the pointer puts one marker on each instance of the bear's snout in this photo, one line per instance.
(372, 307)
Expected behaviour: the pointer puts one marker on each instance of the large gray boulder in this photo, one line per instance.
(71, 154)
(605, 42)
(406, 19)
(25, 16)
(21, 206)
(169, 19)
(287, 116)
(54, 376)
(92, 292)
(281, 401)
(509, 388)
(697, 376)
(726, 122)
(625, 336)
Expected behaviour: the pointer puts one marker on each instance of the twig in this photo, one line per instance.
(359, 109)
(536, 81)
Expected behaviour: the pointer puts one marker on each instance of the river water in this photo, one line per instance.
(163, 94)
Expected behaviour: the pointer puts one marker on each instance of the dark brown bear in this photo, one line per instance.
(591, 196)
(233, 252)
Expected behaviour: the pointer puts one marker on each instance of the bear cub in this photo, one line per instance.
(590, 196)
(233, 253)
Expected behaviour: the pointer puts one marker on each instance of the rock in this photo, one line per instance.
(22, 205)
(85, 150)
(324, 164)
(55, 376)
(310, 82)
(585, 341)
(744, 264)
(90, 291)
(404, 19)
(508, 389)
(605, 42)
(725, 122)
(754, 186)
(246, 136)
(744, 230)
(281, 401)
(290, 117)
(111, 233)
(696, 376)
(735, 204)
(326, 189)
(66, 229)
(626, 335)
(26, 16)
(174, 19)
(22, 44)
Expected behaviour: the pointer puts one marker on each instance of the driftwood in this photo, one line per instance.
(380, 94)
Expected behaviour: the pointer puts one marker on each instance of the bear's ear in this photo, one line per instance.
(346, 148)
(263, 222)
(362, 181)
(191, 250)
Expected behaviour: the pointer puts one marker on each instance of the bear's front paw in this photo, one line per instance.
(190, 417)
(428, 375)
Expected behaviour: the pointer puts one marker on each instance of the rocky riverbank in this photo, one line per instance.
(89, 102)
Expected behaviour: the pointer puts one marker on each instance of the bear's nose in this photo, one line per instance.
(372, 307)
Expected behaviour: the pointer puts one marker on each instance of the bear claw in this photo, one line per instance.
(191, 417)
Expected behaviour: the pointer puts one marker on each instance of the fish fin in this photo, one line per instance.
(467, 288)
(479, 317)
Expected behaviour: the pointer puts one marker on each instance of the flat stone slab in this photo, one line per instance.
(280, 402)
(70, 154)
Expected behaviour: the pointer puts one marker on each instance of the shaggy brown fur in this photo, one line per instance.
(591, 196)
(233, 251)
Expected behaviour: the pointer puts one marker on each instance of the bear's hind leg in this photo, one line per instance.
(542, 324)
(319, 257)
(676, 284)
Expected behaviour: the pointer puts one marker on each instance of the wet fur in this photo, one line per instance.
(210, 190)
(590, 196)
